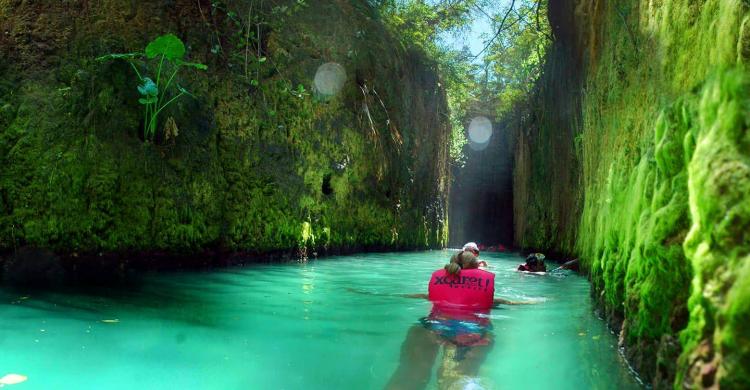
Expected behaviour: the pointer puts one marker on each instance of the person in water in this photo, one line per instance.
(534, 263)
(462, 296)
(473, 248)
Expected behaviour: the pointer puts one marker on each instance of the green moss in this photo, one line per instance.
(664, 197)
(719, 242)
(246, 171)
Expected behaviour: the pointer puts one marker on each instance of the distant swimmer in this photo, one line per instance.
(534, 263)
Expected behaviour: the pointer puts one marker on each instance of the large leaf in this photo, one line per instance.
(148, 88)
(168, 45)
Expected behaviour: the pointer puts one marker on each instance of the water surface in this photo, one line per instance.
(324, 324)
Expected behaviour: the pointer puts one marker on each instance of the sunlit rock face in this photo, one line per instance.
(645, 177)
(314, 129)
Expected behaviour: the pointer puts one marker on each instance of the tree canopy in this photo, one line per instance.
(488, 82)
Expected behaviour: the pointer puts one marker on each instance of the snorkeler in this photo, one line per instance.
(462, 296)
(534, 263)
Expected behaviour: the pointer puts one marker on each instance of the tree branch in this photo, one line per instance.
(499, 30)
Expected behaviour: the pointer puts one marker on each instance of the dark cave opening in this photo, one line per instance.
(481, 199)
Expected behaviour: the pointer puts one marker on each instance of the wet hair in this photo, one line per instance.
(461, 260)
(531, 259)
(469, 260)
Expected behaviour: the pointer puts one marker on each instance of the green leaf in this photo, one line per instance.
(262, 59)
(149, 100)
(254, 83)
(148, 88)
(168, 45)
(196, 65)
(118, 56)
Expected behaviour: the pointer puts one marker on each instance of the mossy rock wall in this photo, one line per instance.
(659, 154)
(257, 166)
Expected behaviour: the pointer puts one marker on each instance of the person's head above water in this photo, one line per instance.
(472, 247)
(535, 262)
(461, 260)
(531, 259)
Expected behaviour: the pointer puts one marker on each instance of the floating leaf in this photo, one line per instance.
(12, 379)
(167, 45)
(111, 321)
(148, 88)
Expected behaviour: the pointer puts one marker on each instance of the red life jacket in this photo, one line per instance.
(470, 289)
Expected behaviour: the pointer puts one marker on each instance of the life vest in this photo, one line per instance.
(471, 289)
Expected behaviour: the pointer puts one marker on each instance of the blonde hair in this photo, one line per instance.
(461, 260)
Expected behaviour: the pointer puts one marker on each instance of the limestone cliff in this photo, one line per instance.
(257, 163)
(636, 157)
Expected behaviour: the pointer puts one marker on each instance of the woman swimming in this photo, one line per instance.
(462, 297)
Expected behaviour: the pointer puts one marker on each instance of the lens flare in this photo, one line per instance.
(329, 78)
(480, 130)
(478, 147)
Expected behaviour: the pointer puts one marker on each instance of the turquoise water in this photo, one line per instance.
(324, 324)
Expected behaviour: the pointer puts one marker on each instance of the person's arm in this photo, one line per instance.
(418, 296)
(571, 265)
(501, 301)
(357, 291)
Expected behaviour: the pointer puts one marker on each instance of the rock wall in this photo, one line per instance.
(261, 163)
(653, 143)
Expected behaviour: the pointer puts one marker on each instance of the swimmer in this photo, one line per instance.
(473, 248)
(462, 297)
(459, 261)
(534, 263)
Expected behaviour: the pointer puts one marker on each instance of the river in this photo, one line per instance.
(332, 323)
